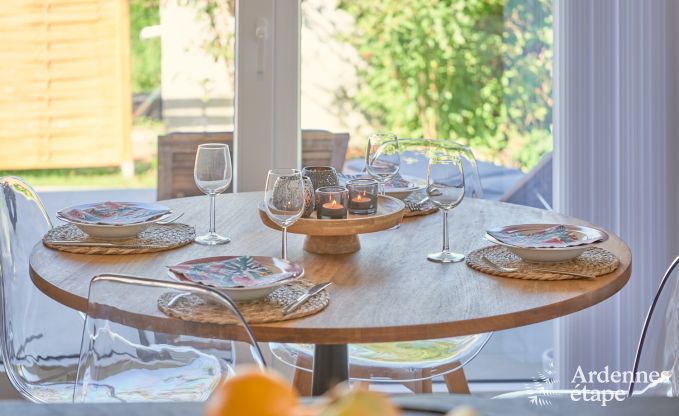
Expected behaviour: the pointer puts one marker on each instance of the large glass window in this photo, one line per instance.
(90, 85)
(475, 71)
(198, 68)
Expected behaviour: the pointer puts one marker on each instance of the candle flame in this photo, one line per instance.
(333, 203)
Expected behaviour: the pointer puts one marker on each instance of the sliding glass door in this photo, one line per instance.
(475, 71)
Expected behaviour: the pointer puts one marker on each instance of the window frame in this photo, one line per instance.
(267, 90)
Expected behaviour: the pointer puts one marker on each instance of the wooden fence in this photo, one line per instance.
(64, 83)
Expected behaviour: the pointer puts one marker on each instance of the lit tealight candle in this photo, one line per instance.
(361, 201)
(332, 202)
(363, 196)
(334, 210)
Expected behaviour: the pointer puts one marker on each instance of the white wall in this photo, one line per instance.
(196, 90)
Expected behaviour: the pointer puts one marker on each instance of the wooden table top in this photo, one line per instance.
(387, 291)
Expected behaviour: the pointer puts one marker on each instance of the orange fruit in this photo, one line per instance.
(253, 393)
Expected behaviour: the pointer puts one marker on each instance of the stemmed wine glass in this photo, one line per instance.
(212, 174)
(445, 189)
(284, 200)
(383, 160)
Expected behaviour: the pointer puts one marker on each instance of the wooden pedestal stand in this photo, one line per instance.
(341, 236)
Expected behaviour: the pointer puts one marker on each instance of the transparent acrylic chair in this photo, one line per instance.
(657, 350)
(40, 337)
(121, 363)
(412, 364)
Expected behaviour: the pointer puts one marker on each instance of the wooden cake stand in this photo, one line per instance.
(341, 236)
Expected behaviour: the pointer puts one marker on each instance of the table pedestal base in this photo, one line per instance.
(331, 366)
(332, 244)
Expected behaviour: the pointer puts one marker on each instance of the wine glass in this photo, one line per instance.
(212, 174)
(284, 200)
(383, 160)
(445, 189)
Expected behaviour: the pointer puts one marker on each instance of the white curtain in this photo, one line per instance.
(616, 159)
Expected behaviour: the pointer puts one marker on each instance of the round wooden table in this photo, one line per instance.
(387, 291)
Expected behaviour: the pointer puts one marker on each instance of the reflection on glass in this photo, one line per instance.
(284, 200)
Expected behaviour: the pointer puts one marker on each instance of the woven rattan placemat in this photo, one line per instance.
(153, 239)
(595, 261)
(269, 309)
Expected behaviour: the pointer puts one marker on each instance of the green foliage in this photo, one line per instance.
(145, 53)
(475, 71)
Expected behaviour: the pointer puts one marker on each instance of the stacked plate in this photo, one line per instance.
(546, 242)
(240, 277)
(114, 220)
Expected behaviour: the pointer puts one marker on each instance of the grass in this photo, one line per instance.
(144, 177)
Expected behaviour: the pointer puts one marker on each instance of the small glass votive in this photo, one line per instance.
(332, 202)
(363, 196)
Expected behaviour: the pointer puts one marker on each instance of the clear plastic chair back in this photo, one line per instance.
(394, 361)
(657, 372)
(415, 155)
(40, 337)
(132, 352)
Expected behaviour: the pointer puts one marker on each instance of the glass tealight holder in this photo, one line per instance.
(332, 202)
(363, 196)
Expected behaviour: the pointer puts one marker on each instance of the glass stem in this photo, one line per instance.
(212, 213)
(284, 244)
(381, 189)
(446, 247)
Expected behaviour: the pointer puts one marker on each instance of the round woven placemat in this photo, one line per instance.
(161, 237)
(595, 261)
(269, 309)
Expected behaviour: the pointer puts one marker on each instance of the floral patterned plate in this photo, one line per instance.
(113, 220)
(113, 213)
(546, 242)
(547, 235)
(240, 277)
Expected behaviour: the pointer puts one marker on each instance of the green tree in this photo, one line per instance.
(527, 80)
(476, 71)
(145, 59)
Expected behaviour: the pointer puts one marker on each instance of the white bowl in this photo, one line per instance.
(548, 255)
(109, 232)
(113, 232)
(543, 255)
(245, 294)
